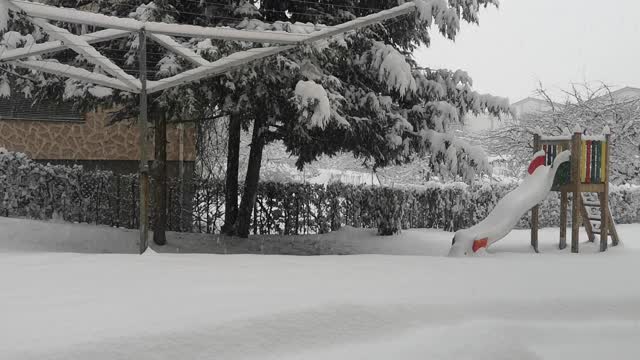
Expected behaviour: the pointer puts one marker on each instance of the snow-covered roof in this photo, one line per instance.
(532, 105)
(76, 16)
(625, 93)
(162, 33)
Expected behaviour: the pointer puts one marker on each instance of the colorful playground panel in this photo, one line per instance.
(592, 166)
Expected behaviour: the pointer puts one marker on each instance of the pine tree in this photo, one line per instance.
(363, 93)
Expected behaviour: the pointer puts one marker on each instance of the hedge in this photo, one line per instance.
(40, 191)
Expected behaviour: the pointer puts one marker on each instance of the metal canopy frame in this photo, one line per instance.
(162, 33)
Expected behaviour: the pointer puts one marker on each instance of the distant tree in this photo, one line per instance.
(591, 108)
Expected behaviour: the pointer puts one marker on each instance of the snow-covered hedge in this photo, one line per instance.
(42, 191)
(35, 190)
(298, 208)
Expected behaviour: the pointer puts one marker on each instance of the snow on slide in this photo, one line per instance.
(533, 190)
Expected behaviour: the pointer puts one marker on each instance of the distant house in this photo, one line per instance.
(58, 134)
(528, 105)
(328, 176)
(532, 105)
(626, 93)
(284, 172)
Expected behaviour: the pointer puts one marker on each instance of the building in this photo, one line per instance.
(532, 105)
(626, 93)
(57, 134)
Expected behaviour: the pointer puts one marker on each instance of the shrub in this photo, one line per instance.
(41, 191)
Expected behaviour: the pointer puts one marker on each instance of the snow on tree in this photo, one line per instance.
(390, 66)
(313, 102)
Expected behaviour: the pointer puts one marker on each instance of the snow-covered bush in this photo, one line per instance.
(302, 208)
(35, 190)
(41, 191)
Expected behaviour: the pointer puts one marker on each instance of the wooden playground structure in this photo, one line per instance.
(586, 178)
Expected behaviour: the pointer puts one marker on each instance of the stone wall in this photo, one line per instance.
(92, 139)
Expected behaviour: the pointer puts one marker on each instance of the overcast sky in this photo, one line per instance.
(553, 41)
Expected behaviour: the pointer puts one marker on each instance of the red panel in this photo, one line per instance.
(479, 244)
(538, 161)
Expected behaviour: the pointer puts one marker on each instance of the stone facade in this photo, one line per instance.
(91, 140)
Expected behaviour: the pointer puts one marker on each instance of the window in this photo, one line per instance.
(19, 107)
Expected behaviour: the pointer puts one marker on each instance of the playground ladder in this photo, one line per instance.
(591, 215)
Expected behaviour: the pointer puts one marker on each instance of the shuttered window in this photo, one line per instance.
(18, 107)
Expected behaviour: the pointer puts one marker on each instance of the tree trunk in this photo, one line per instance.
(160, 174)
(231, 188)
(251, 182)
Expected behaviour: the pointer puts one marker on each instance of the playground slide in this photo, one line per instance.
(533, 190)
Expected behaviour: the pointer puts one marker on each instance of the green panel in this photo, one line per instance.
(563, 176)
(598, 161)
(593, 162)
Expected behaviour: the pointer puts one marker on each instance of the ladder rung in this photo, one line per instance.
(593, 211)
(597, 232)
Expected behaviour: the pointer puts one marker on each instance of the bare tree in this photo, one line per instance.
(591, 108)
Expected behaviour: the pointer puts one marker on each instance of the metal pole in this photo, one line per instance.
(181, 174)
(144, 161)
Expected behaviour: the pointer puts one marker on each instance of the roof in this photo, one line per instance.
(625, 92)
(631, 91)
(532, 100)
(531, 105)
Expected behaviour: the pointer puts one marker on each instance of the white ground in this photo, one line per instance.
(511, 304)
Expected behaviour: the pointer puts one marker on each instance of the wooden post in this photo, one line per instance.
(604, 202)
(536, 209)
(144, 162)
(576, 160)
(563, 219)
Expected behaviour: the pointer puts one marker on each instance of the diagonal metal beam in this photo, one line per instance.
(361, 22)
(82, 47)
(221, 33)
(217, 67)
(169, 43)
(74, 16)
(276, 37)
(55, 46)
(73, 73)
(162, 34)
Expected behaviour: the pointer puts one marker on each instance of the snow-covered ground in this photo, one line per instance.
(511, 304)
